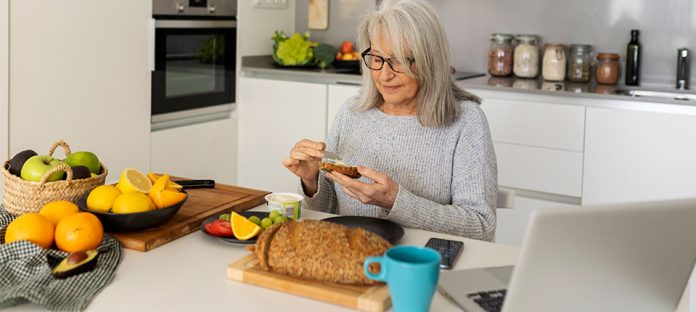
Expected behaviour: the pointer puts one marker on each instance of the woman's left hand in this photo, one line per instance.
(382, 192)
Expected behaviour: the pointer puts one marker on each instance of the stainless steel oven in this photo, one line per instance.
(193, 78)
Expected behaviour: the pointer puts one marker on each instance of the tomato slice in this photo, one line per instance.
(220, 228)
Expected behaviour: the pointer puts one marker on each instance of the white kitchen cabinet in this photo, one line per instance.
(200, 151)
(273, 116)
(638, 156)
(338, 94)
(512, 223)
(79, 72)
(4, 83)
(538, 143)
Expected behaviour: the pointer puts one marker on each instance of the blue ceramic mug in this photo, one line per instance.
(411, 273)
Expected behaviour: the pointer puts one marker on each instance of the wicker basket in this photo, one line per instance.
(22, 196)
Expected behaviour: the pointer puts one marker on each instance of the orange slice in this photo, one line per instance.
(172, 186)
(133, 180)
(163, 197)
(243, 228)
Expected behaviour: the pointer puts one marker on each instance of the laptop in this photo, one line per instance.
(623, 257)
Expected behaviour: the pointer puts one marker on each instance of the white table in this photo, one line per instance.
(189, 274)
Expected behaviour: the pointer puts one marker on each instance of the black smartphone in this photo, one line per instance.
(448, 249)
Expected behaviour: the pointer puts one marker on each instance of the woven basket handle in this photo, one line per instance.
(62, 144)
(61, 167)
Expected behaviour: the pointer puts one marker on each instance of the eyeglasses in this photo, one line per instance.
(376, 62)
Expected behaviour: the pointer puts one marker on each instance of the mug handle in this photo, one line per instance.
(381, 276)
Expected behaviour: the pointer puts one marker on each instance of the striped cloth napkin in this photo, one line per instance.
(25, 274)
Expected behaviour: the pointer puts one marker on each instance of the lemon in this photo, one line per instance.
(133, 180)
(59, 209)
(243, 228)
(172, 186)
(132, 202)
(102, 198)
(163, 197)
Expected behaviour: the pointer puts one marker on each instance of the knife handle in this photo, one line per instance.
(191, 184)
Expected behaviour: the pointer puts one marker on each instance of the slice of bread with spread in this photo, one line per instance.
(345, 170)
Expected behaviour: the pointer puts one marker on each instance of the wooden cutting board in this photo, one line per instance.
(201, 204)
(364, 298)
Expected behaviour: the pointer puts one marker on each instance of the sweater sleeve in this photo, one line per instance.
(474, 188)
(325, 198)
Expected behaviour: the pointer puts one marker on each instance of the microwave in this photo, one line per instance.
(194, 72)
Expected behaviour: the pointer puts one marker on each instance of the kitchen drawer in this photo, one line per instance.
(539, 169)
(536, 124)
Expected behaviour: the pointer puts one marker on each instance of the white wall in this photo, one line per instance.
(256, 26)
(4, 81)
(80, 72)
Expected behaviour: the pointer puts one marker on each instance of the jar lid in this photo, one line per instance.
(501, 36)
(581, 47)
(608, 56)
(524, 38)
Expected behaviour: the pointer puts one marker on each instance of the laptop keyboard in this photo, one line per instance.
(490, 301)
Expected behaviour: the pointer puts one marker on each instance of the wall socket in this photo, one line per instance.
(271, 4)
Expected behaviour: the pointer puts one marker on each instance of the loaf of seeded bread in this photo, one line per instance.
(319, 250)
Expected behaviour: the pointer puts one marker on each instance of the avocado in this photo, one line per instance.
(16, 163)
(76, 263)
(79, 172)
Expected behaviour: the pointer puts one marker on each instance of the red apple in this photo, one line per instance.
(347, 47)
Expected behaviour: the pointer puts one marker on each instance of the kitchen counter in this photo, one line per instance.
(263, 67)
(189, 274)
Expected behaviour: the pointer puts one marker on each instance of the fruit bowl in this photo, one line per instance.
(130, 222)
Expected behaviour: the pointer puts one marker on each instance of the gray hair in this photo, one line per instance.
(414, 26)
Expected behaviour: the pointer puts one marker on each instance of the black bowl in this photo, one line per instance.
(354, 65)
(130, 222)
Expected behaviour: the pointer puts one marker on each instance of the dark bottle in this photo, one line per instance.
(633, 60)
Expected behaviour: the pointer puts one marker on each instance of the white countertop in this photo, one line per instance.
(190, 274)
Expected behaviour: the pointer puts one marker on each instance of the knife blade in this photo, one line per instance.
(192, 184)
(331, 157)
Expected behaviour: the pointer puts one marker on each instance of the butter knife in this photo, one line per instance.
(331, 157)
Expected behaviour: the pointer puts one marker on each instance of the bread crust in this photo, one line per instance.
(349, 171)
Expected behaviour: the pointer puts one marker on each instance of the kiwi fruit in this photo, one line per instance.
(16, 163)
(79, 172)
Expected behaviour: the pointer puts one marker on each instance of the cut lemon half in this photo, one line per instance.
(133, 180)
(243, 228)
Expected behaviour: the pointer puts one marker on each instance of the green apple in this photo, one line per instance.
(87, 159)
(36, 166)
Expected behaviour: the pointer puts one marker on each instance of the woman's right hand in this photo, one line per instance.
(304, 161)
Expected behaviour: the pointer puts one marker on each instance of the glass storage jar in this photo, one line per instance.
(579, 62)
(553, 66)
(500, 55)
(607, 70)
(526, 58)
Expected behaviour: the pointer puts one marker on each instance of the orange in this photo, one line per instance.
(57, 210)
(132, 202)
(102, 198)
(33, 227)
(161, 196)
(133, 180)
(243, 228)
(172, 186)
(79, 232)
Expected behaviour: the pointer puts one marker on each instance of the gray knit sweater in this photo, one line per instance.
(447, 176)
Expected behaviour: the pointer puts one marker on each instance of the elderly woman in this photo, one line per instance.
(422, 144)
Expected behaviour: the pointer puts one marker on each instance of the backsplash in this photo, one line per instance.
(605, 24)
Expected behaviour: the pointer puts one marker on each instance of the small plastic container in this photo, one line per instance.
(288, 204)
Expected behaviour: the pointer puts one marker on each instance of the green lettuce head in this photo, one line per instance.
(296, 50)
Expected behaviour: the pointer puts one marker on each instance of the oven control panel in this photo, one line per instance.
(194, 8)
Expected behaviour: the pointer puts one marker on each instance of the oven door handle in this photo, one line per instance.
(195, 24)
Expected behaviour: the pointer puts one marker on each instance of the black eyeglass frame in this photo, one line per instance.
(387, 60)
